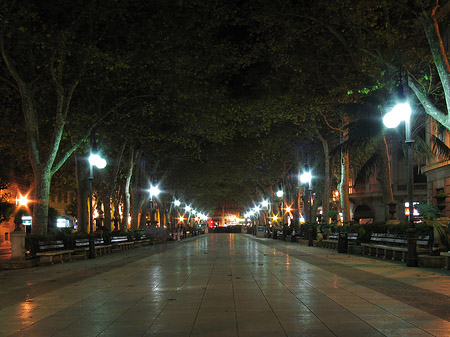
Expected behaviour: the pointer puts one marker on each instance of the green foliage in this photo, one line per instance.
(333, 214)
(6, 210)
(305, 227)
(428, 211)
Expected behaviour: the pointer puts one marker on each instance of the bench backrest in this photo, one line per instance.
(333, 236)
(399, 239)
(85, 242)
(51, 245)
(350, 236)
(424, 240)
(115, 239)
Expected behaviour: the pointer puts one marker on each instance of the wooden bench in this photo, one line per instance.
(394, 246)
(142, 241)
(333, 239)
(121, 243)
(331, 242)
(49, 251)
(280, 235)
(82, 247)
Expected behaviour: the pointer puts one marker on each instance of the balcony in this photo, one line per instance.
(375, 190)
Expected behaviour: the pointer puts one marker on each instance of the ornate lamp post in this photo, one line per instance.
(154, 192)
(305, 178)
(402, 112)
(100, 163)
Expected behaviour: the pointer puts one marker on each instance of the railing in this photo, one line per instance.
(375, 188)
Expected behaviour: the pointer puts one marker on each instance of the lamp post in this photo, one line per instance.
(177, 204)
(402, 112)
(305, 178)
(153, 191)
(280, 194)
(99, 162)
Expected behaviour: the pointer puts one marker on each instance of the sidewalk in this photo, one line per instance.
(226, 285)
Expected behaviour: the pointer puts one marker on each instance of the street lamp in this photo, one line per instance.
(280, 194)
(305, 178)
(154, 192)
(402, 112)
(100, 163)
(265, 204)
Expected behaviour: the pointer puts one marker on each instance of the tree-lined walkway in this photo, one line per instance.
(225, 285)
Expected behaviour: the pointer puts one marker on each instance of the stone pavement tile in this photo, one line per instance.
(263, 322)
(153, 333)
(215, 323)
(310, 332)
(219, 304)
(429, 322)
(121, 330)
(357, 331)
(412, 332)
(80, 329)
(177, 326)
(292, 318)
(439, 332)
(292, 305)
(267, 333)
(251, 304)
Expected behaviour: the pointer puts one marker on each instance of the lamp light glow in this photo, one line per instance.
(401, 112)
(23, 201)
(96, 160)
(154, 191)
(305, 177)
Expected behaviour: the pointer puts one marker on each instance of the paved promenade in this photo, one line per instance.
(225, 285)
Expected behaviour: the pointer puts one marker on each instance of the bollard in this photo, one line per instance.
(18, 245)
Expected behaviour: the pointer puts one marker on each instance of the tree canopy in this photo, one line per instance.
(218, 97)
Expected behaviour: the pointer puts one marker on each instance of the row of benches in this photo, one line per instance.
(384, 245)
(333, 239)
(394, 246)
(50, 252)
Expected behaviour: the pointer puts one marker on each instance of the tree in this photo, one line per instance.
(47, 49)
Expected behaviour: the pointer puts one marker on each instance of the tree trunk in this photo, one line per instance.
(139, 196)
(432, 32)
(82, 194)
(343, 186)
(138, 203)
(42, 182)
(441, 62)
(327, 183)
(117, 222)
(126, 192)
(107, 207)
(384, 173)
(143, 216)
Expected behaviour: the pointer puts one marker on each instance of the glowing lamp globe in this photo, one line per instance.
(96, 160)
(401, 112)
(305, 177)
